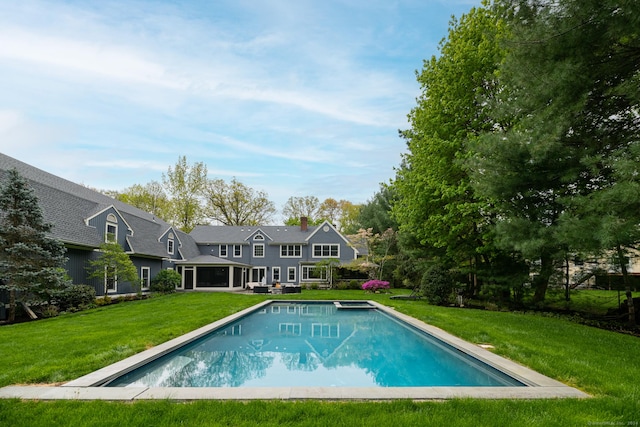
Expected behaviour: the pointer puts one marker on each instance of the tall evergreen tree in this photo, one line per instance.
(570, 85)
(31, 262)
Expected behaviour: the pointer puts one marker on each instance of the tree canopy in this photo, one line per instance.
(234, 203)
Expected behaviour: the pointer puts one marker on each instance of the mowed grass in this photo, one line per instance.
(602, 363)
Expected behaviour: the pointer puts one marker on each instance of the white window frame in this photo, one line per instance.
(145, 283)
(112, 222)
(223, 251)
(255, 250)
(328, 247)
(171, 244)
(275, 274)
(291, 274)
(305, 269)
(258, 237)
(115, 282)
(286, 249)
(239, 254)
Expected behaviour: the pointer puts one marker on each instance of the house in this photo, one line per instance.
(83, 219)
(231, 256)
(209, 258)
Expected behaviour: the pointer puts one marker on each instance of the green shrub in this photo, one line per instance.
(75, 297)
(166, 281)
(438, 285)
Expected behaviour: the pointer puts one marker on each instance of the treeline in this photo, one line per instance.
(187, 197)
(523, 151)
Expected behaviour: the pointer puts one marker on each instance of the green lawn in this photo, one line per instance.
(604, 364)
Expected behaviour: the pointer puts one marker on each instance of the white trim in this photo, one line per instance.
(294, 247)
(313, 250)
(88, 219)
(234, 251)
(256, 246)
(148, 284)
(115, 282)
(108, 224)
(273, 274)
(171, 244)
(304, 273)
(346, 241)
(226, 251)
(289, 270)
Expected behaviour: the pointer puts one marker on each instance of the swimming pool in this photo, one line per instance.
(316, 344)
(91, 386)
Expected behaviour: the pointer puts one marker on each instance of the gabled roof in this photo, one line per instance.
(237, 235)
(67, 205)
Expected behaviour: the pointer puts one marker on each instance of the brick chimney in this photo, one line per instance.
(304, 223)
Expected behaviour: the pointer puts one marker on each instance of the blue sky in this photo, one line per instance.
(292, 97)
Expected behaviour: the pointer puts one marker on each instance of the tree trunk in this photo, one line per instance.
(12, 306)
(627, 287)
(541, 282)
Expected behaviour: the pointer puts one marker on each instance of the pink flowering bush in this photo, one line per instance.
(375, 285)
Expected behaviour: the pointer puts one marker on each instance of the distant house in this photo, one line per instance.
(209, 258)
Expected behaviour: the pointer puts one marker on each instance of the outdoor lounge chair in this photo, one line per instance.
(415, 294)
(259, 289)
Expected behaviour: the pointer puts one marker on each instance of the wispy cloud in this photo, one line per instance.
(289, 97)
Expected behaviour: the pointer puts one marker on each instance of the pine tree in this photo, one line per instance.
(31, 262)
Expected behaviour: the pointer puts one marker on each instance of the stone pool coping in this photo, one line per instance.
(87, 387)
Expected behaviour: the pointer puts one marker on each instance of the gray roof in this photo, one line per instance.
(273, 234)
(211, 260)
(67, 205)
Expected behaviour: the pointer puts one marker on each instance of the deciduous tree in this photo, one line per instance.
(234, 203)
(185, 184)
(113, 265)
(297, 207)
(434, 200)
(150, 197)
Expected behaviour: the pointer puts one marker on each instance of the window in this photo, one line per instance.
(291, 274)
(290, 329)
(290, 251)
(258, 237)
(325, 330)
(326, 251)
(275, 274)
(258, 250)
(311, 272)
(170, 244)
(237, 251)
(223, 251)
(145, 276)
(111, 230)
(111, 279)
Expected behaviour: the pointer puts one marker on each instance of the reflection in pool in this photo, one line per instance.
(315, 344)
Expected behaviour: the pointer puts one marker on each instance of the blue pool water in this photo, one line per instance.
(315, 345)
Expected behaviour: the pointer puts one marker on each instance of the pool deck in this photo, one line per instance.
(87, 387)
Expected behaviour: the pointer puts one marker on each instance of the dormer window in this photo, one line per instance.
(258, 237)
(111, 229)
(170, 244)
